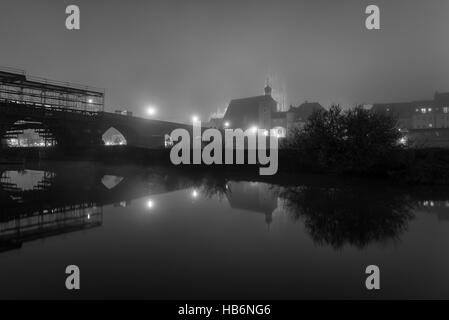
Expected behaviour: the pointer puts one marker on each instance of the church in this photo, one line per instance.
(262, 112)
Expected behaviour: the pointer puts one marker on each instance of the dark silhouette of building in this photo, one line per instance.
(254, 197)
(425, 122)
(262, 112)
(251, 112)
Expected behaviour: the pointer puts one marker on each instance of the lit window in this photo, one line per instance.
(423, 110)
(446, 109)
(430, 125)
(430, 109)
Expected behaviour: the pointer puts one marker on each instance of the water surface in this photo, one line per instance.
(160, 233)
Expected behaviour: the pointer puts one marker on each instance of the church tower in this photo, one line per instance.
(267, 88)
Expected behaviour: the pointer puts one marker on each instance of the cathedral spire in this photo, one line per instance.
(267, 88)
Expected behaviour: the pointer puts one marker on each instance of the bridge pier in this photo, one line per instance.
(4, 127)
(77, 137)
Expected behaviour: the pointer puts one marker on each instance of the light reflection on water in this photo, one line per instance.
(160, 233)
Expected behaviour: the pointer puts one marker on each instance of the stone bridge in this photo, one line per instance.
(72, 128)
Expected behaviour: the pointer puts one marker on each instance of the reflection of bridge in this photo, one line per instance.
(67, 200)
(71, 114)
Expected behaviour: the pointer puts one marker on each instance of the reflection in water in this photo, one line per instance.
(252, 196)
(25, 216)
(355, 216)
(41, 203)
(41, 224)
(159, 223)
(25, 179)
(111, 182)
(337, 216)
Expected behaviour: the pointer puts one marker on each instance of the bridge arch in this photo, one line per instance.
(28, 133)
(114, 137)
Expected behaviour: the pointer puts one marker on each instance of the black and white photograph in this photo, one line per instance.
(250, 151)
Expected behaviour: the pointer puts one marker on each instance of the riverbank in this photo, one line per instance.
(408, 166)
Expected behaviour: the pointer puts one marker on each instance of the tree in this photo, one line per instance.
(370, 138)
(356, 140)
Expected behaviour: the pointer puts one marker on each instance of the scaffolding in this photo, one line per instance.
(19, 128)
(48, 222)
(18, 87)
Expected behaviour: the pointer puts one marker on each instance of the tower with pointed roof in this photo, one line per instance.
(267, 88)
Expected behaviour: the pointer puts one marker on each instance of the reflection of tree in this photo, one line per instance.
(210, 187)
(207, 185)
(354, 216)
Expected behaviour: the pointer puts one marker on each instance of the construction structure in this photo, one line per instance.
(68, 115)
(47, 95)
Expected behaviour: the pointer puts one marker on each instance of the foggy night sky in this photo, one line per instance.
(190, 57)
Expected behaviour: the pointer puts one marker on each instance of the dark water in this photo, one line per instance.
(159, 233)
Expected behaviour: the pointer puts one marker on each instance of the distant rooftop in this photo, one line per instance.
(305, 110)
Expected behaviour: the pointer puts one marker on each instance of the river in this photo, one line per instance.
(160, 233)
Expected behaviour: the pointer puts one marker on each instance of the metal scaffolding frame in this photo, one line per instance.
(17, 87)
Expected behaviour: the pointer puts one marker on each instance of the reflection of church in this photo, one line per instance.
(262, 112)
(253, 196)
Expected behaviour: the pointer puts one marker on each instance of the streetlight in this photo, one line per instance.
(151, 111)
(90, 101)
(150, 204)
(254, 129)
(227, 124)
(195, 118)
(194, 194)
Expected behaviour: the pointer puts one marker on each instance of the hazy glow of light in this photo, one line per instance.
(265, 133)
(195, 194)
(150, 204)
(254, 129)
(227, 124)
(403, 140)
(88, 216)
(195, 118)
(90, 101)
(151, 110)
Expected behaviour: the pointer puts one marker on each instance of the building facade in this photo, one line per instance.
(425, 122)
(262, 112)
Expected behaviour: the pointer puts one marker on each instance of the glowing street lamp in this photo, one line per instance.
(195, 118)
(90, 101)
(195, 194)
(254, 129)
(151, 111)
(227, 124)
(150, 204)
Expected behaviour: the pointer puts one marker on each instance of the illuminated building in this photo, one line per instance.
(426, 122)
(262, 112)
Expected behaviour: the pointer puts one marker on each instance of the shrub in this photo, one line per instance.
(356, 141)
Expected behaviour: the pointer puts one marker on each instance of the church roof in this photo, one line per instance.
(245, 108)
